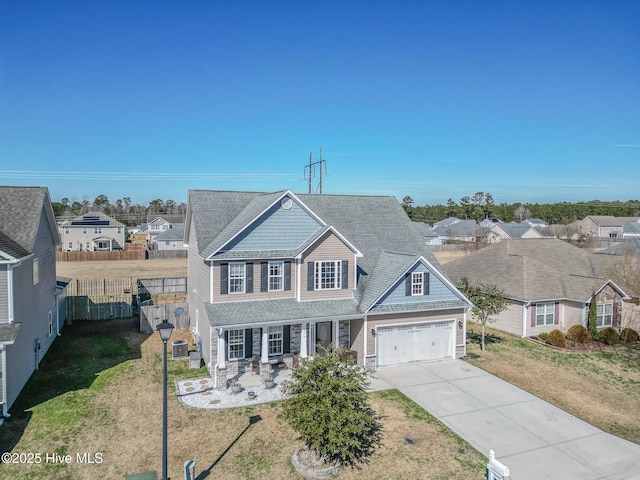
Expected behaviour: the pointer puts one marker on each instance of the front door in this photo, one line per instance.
(323, 336)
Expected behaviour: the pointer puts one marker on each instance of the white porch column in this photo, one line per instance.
(304, 352)
(336, 335)
(222, 347)
(264, 357)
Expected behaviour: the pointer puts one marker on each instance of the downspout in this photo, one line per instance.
(525, 309)
(364, 354)
(3, 354)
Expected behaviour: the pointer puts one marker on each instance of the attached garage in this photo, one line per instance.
(418, 342)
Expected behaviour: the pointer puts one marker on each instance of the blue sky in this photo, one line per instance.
(531, 101)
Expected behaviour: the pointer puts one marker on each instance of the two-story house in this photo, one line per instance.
(92, 232)
(29, 300)
(276, 275)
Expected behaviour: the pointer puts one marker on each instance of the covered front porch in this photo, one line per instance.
(253, 355)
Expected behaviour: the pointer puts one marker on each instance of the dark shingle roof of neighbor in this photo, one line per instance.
(533, 269)
(20, 210)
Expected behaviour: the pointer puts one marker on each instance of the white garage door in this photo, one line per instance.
(414, 343)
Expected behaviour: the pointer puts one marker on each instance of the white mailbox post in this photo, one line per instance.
(189, 470)
(495, 469)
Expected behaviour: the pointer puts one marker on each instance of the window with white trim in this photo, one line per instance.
(545, 313)
(604, 315)
(328, 275)
(235, 344)
(66, 230)
(417, 283)
(84, 230)
(97, 229)
(275, 340)
(70, 246)
(237, 272)
(36, 271)
(276, 276)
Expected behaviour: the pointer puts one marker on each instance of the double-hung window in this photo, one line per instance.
(417, 283)
(545, 313)
(236, 344)
(237, 277)
(276, 276)
(97, 230)
(604, 315)
(328, 275)
(275, 340)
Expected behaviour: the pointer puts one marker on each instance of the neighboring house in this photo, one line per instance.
(489, 222)
(535, 222)
(278, 275)
(549, 282)
(460, 231)
(603, 226)
(30, 300)
(156, 224)
(92, 232)
(429, 236)
(171, 239)
(502, 231)
(631, 230)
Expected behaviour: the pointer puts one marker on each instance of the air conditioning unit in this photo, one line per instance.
(180, 349)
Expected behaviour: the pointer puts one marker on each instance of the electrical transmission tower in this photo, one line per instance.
(312, 172)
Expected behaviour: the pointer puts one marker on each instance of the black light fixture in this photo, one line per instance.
(164, 329)
(459, 323)
(373, 332)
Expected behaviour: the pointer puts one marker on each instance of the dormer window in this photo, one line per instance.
(417, 283)
(328, 275)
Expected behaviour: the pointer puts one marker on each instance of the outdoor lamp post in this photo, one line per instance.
(164, 329)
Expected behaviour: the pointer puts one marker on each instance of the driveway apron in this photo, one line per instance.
(533, 438)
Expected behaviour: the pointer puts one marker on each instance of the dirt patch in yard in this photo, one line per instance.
(173, 267)
(115, 409)
(601, 387)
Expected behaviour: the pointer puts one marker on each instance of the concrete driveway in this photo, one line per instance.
(533, 438)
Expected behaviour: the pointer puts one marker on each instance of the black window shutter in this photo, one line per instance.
(286, 339)
(407, 284)
(310, 276)
(287, 275)
(226, 344)
(248, 288)
(224, 278)
(425, 283)
(264, 276)
(345, 274)
(248, 343)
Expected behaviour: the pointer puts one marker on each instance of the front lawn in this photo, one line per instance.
(99, 391)
(600, 387)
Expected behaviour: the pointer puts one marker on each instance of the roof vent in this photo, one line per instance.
(286, 203)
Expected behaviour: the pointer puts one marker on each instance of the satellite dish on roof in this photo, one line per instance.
(179, 311)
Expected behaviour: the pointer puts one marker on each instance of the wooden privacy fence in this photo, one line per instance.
(99, 307)
(152, 286)
(99, 299)
(95, 256)
(152, 315)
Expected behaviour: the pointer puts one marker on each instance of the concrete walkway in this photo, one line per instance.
(533, 438)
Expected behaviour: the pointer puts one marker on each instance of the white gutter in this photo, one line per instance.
(3, 354)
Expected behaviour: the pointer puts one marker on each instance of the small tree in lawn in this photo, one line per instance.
(593, 318)
(328, 407)
(487, 300)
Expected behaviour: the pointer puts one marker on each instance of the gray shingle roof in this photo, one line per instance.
(9, 332)
(285, 310)
(533, 269)
(515, 230)
(90, 215)
(377, 227)
(20, 211)
(175, 233)
(611, 221)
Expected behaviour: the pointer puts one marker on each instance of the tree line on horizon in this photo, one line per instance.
(482, 205)
(476, 207)
(121, 209)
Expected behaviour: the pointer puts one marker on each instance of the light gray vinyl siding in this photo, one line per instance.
(32, 304)
(438, 291)
(198, 274)
(277, 229)
(4, 294)
(510, 320)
